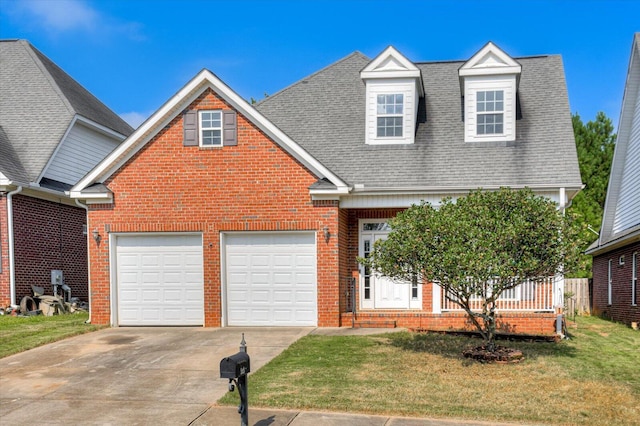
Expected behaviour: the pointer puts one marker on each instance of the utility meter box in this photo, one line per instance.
(56, 277)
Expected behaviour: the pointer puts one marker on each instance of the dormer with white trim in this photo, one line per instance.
(489, 85)
(393, 92)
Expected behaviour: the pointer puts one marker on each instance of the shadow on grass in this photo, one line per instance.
(452, 345)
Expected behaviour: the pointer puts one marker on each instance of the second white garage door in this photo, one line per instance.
(271, 279)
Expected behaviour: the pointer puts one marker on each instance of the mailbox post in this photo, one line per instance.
(235, 368)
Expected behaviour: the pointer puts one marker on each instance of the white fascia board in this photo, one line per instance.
(367, 75)
(625, 122)
(100, 128)
(491, 71)
(4, 181)
(494, 50)
(204, 79)
(329, 194)
(630, 237)
(366, 190)
(92, 197)
(389, 53)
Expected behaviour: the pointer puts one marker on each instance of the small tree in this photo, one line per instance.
(477, 248)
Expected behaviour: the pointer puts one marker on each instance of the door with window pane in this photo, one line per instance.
(376, 291)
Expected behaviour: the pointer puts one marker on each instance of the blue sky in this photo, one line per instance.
(133, 55)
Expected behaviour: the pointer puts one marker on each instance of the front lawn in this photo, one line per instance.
(19, 334)
(593, 378)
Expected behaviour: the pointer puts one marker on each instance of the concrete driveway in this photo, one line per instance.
(161, 376)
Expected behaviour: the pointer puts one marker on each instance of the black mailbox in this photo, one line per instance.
(235, 366)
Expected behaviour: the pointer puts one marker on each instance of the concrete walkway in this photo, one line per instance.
(224, 416)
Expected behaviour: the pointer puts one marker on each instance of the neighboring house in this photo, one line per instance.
(52, 132)
(616, 294)
(218, 213)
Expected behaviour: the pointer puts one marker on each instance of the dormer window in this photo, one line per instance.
(489, 86)
(393, 91)
(490, 112)
(390, 115)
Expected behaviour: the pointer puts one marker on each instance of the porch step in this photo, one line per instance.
(375, 324)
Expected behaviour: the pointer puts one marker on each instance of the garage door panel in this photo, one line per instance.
(283, 261)
(305, 297)
(259, 278)
(160, 280)
(305, 260)
(304, 279)
(258, 260)
(283, 278)
(283, 297)
(265, 272)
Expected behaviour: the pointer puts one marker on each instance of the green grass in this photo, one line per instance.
(593, 378)
(19, 334)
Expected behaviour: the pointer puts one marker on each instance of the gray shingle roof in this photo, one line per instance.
(39, 101)
(325, 114)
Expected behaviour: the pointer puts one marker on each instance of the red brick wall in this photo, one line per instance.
(254, 186)
(48, 236)
(5, 292)
(620, 309)
(539, 324)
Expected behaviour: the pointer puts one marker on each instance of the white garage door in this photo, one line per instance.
(160, 280)
(271, 279)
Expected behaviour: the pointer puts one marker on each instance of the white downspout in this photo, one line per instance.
(12, 265)
(86, 208)
(560, 276)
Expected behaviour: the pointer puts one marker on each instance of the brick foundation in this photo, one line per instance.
(539, 324)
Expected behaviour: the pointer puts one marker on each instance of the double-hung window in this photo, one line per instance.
(609, 282)
(210, 128)
(390, 111)
(490, 112)
(634, 278)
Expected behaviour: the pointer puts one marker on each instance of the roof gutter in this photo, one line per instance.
(361, 189)
(12, 265)
(614, 244)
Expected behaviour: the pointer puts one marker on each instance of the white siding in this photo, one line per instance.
(79, 152)
(472, 86)
(407, 87)
(628, 207)
(407, 200)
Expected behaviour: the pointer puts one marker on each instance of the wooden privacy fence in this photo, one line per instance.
(579, 302)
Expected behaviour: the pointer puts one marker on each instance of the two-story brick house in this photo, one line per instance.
(218, 213)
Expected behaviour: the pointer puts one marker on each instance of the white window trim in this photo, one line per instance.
(494, 112)
(473, 85)
(634, 278)
(393, 115)
(202, 129)
(609, 282)
(404, 87)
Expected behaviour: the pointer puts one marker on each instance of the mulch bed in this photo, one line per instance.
(501, 355)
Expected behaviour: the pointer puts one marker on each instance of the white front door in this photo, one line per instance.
(377, 291)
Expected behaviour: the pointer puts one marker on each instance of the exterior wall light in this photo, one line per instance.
(96, 236)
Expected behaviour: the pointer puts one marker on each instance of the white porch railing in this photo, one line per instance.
(539, 295)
